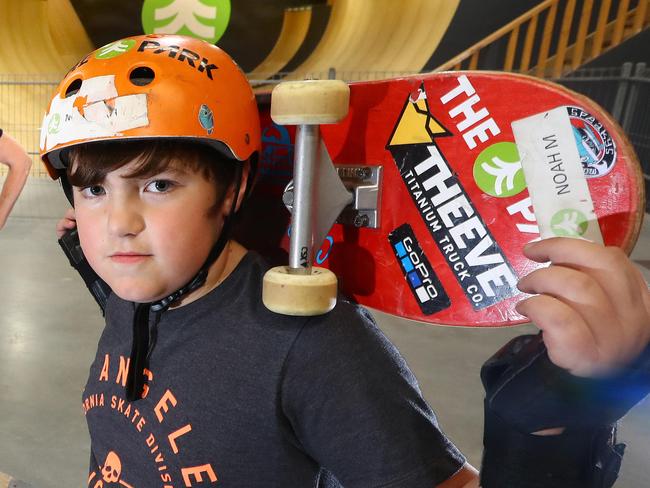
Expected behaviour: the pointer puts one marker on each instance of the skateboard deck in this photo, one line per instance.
(453, 207)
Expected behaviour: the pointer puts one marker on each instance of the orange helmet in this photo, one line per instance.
(154, 86)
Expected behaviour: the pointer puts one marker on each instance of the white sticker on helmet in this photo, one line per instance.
(95, 111)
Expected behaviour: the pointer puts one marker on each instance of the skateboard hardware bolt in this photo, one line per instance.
(287, 199)
(361, 221)
(363, 173)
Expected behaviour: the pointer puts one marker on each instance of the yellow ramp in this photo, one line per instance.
(294, 29)
(367, 37)
(40, 37)
(39, 41)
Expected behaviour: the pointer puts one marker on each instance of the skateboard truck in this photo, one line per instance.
(364, 183)
(319, 196)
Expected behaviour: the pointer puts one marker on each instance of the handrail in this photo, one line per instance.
(570, 50)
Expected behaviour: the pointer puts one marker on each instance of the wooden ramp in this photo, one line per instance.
(294, 30)
(367, 39)
(38, 38)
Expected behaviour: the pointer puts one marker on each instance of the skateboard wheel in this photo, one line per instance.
(310, 102)
(301, 295)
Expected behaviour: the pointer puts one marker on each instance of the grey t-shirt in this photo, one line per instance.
(238, 396)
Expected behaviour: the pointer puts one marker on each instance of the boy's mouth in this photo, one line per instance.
(128, 257)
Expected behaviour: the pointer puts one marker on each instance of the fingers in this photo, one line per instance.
(67, 223)
(569, 341)
(593, 305)
(581, 292)
(609, 266)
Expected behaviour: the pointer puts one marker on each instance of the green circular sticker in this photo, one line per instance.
(498, 172)
(115, 49)
(203, 19)
(55, 124)
(569, 223)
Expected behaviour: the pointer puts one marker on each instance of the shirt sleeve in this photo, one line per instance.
(356, 408)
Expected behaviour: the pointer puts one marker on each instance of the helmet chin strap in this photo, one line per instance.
(141, 332)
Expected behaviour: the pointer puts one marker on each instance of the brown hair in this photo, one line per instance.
(88, 164)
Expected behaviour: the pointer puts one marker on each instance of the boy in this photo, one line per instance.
(19, 163)
(195, 382)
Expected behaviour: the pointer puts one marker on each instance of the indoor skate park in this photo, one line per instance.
(50, 324)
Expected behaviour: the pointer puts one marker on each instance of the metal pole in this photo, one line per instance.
(301, 248)
(630, 106)
(617, 109)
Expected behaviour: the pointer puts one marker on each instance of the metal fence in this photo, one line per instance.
(23, 100)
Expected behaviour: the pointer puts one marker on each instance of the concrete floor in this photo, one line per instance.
(49, 327)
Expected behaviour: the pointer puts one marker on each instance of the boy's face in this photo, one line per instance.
(147, 237)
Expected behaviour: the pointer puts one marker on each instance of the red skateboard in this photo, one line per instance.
(437, 154)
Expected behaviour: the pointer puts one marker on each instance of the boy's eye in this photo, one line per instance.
(160, 186)
(93, 191)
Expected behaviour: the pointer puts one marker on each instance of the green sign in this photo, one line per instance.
(498, 172)
(203, 19)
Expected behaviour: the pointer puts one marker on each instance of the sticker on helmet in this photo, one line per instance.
(206, 118)
(115, 49)
(203, 19)
(96, 110)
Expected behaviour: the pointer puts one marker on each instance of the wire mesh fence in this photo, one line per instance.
(23, 100)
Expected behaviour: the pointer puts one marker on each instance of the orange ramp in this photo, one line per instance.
(374, 38)
(294, 29)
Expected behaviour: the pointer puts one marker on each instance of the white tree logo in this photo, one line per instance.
(504, 172)
(204, 19)
(498, 171)
(569, 223)
(115, 49)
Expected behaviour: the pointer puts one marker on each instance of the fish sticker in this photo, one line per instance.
(206, 118)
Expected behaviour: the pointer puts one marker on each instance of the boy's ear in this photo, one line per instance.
(227, 202)
(243, 187)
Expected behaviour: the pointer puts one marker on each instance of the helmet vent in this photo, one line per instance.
(142, 76)
(73, 88)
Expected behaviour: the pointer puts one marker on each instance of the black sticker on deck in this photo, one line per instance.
(420, 276)
(480, 266)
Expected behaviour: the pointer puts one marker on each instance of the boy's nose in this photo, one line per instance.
(125, 219)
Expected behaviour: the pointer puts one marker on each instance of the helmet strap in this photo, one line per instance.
(67, 187)
(140, 347)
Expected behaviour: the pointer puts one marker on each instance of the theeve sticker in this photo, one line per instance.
(476, 259)
(420, 276)
(556, 182)
(596, 147)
